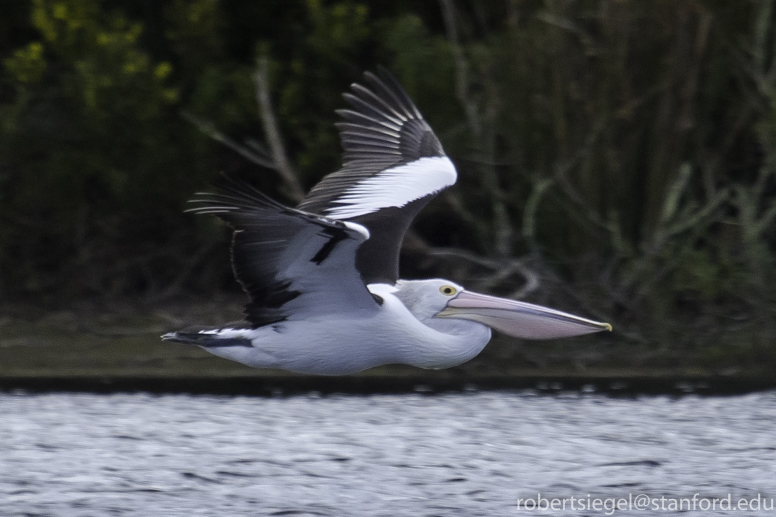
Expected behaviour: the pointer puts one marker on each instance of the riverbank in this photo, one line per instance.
(99, 347)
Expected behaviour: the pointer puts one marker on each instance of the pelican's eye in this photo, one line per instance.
(448, 290)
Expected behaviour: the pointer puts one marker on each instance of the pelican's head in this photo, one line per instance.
(438, 298)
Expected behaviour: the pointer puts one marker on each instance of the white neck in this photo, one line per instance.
(430, 342)
(452, 342)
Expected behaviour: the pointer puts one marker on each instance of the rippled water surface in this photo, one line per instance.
(458, 454)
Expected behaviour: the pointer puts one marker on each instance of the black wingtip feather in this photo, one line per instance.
(391, 86)
(381, 129)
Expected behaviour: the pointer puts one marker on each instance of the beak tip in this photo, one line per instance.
(608, 326)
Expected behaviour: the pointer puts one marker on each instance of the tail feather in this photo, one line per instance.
(206, 339)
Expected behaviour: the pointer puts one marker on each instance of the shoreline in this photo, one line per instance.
(118, 349)
(271, 383)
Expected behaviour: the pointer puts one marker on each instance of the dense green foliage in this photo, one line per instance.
(623, 151)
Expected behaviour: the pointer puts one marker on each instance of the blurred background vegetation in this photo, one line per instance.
(617, 158)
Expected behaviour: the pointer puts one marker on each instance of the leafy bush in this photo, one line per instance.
(614, 155)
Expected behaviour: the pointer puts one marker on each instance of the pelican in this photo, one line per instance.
(323, 278)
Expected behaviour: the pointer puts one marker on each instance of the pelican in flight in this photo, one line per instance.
(323, 278)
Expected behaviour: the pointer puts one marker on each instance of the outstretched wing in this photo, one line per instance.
(292, 264)
(392, 167)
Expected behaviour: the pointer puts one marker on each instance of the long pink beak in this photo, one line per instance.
(519, 319)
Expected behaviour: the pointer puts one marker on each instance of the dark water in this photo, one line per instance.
(471, 454)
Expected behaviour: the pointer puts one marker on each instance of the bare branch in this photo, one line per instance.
(461, 67)
(530, 210)
(562, 168)
(252, 150)
(210, 130)
(482, 126)
(271, 131)
(502, 269)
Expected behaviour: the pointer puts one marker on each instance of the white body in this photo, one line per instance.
(352, 342)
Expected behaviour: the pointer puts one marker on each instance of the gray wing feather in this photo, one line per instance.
(291, 263)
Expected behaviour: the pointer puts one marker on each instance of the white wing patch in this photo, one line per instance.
(359, 228)
(395, 187)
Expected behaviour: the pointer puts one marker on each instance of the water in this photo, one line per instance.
(471, 454)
